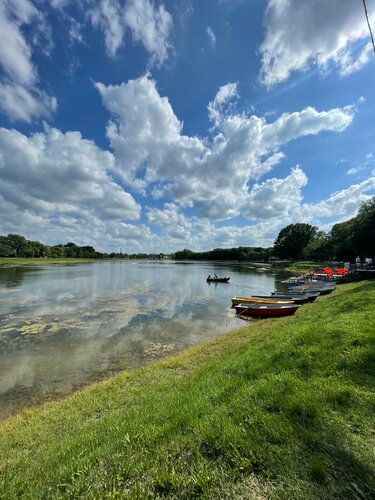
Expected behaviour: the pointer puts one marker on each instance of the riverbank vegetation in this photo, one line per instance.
(280, 408)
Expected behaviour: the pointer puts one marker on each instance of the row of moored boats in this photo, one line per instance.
(281, 303)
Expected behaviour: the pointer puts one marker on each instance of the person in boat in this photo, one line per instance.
(209, 277)
(216, 276)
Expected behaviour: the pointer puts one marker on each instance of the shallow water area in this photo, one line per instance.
(62, 327)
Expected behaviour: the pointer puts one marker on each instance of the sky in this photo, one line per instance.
(153, 126)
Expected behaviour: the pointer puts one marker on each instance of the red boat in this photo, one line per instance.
(266, 310)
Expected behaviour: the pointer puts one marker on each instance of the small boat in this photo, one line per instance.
(301, 299)
(266, 310)
(316, 284)
(325, 290)
(310, 295)
(258, 300)
(218, 280)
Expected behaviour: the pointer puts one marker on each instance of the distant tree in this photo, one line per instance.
(6, 249)
(293, 239)
(70, 250)
(183, 254)
(18, 244)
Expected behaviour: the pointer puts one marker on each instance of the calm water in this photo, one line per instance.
(65, 326)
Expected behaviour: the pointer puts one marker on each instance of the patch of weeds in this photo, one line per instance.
(313, 440)
(245, 461)
(303, 411)
(318, 470)
(342, 398)
(166, 482)
(210, 450)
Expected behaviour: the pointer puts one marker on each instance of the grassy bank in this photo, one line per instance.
(303, 267)
(281, 409)
(14, 261)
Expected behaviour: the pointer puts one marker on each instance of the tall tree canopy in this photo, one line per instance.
(293, 239)
(363, 239)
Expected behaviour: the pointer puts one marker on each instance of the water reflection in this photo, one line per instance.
(65, 326)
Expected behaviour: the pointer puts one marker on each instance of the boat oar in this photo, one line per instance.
(247, 309)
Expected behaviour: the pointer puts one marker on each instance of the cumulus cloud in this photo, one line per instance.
(213, 173)
(148, 25)
(53, 179)
(342, 203)
(300, 35)
(20, 97)
(275, 197)
(179, 231)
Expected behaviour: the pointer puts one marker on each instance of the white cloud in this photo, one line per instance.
(351, 63)
(211, 35)
(342, 203)
(20, 97)
(148, 25)
(213, 173)
(179, 231)
(300, 35)
(21, 103)
(355, 170)
(15, 53)
(363, 165)
(108, 17)
(222, 101)
(151, 26)
(275, 197)
(57, 180)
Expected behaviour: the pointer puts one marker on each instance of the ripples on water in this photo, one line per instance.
(64, 326)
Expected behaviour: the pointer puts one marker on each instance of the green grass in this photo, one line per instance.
(303, 267)
(14, 261)
(282, 409)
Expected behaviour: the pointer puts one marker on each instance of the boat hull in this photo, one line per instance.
(218, 280)
(266, 310)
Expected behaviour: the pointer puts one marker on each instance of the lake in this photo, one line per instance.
(65, 326)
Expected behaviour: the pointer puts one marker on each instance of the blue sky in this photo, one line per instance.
(156, 126)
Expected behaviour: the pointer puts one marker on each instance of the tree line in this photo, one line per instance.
(299, 241)
(15, 245)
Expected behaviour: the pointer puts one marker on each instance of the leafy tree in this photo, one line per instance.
(319, 248)
(341, 237)
(293, 239)
(6, 249)
(18, 244)
(183, 254)
(363, 235)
